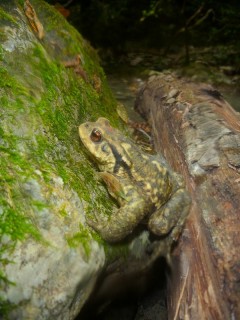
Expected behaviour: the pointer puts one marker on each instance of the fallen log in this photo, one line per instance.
(199, 134)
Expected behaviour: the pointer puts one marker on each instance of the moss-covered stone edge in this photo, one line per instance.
(14, 224)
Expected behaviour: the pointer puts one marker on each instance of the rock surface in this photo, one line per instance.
(50, 82)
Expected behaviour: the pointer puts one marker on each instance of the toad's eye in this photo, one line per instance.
(96, 135)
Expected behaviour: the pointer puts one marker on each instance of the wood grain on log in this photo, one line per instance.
(199, 134)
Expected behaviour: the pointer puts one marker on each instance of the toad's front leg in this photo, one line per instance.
(172, 215)
(124, 220)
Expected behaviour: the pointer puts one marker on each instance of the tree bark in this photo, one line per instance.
(198, 133)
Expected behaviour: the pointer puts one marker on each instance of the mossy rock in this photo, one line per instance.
(49, 258)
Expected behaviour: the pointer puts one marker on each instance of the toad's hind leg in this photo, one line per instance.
(122, 222)
(171, 216)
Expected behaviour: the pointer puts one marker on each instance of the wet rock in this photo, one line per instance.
(49, 260)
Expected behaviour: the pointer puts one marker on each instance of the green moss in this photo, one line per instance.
(7, 17)
(1, 51)
(9, 83)
(21, 2)
(14, 166)
(63, 212)
(5, 308)
(82, 238)
(39, 205)
(17, 226)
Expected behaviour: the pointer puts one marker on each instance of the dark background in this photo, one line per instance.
(169, 25)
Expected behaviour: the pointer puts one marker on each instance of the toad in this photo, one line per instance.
(145, 187)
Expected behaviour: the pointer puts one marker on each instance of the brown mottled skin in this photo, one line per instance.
(143, 185)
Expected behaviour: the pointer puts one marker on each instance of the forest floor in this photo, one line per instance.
(216, 66)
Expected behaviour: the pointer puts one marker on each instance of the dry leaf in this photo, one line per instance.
(33, 19)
